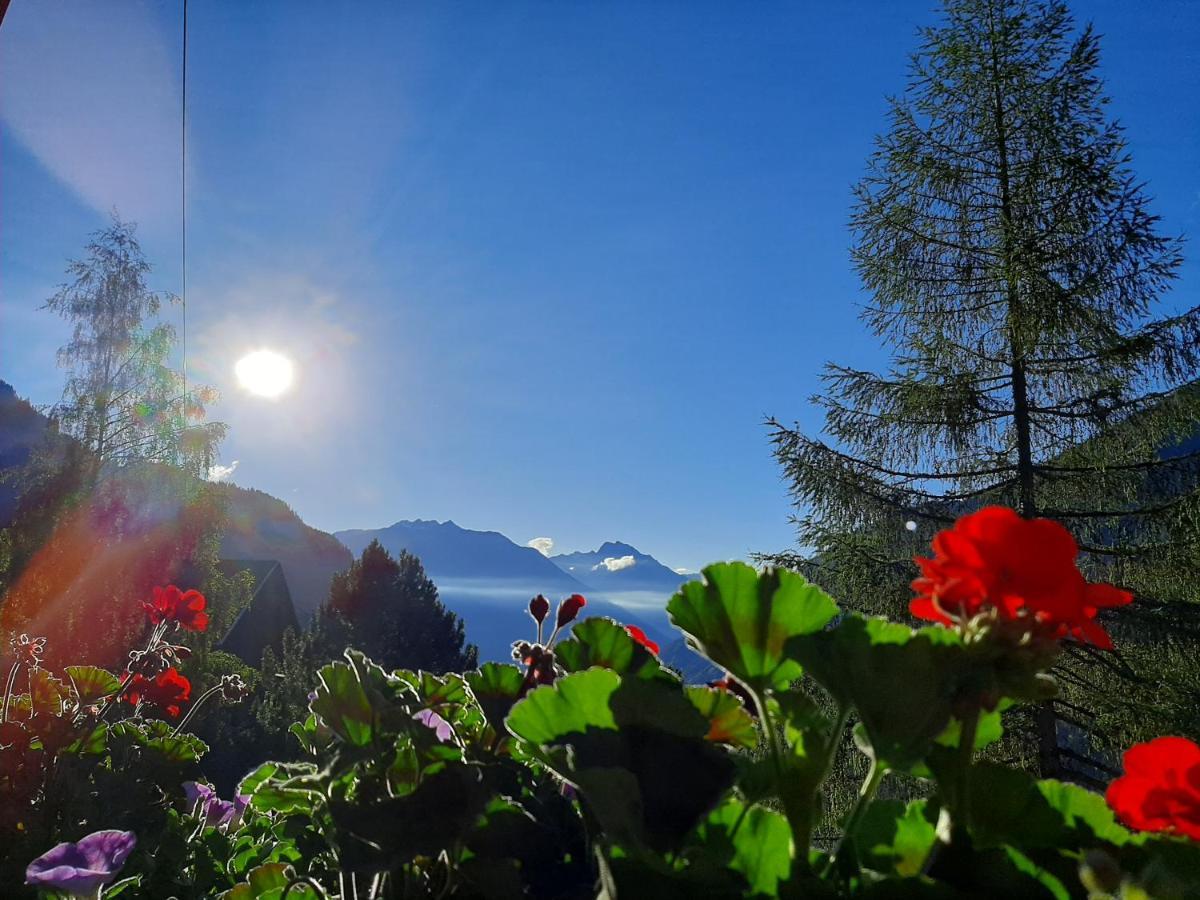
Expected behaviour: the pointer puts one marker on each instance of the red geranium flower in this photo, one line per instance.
(184, 608)
(640, 636)
(168, 690)
(569, 609)
(1160, 790)
(1020, 567)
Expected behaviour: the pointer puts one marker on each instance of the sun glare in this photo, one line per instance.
(265, 373)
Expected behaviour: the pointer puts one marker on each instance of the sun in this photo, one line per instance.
(265, 373)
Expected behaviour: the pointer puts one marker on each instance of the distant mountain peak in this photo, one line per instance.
(448, 551)
(618, 549)
(615, 565)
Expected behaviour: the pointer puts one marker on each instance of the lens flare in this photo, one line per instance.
(265, 373)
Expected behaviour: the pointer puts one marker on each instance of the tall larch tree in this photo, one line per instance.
(1016, 274)
(123, 401)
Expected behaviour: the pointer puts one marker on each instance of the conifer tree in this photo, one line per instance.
(1015, 273)
(392, 612)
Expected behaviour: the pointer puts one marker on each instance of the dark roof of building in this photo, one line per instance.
(267, 616)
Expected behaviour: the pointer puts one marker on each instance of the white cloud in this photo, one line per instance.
(222, 473)
(683, 571)
(542, 545)
(615, 563)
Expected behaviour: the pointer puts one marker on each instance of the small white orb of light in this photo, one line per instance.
(265, 373)
(910, 525)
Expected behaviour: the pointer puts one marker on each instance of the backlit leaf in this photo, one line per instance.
(742, 620)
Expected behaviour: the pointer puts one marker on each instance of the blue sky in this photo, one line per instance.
(543, 268)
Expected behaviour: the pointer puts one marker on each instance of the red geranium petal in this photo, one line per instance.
(640, 637)
(1104, 596)
(924, 608)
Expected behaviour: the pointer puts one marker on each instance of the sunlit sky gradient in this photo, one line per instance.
(542, 268)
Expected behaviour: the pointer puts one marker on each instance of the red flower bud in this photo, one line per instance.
(569, 609)
(640, 637)
(539, 608)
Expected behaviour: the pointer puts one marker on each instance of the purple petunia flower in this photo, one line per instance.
(431, 719)
(81, 869)
(217, 812)
(197, 795)
(202, 800)
(240, 802)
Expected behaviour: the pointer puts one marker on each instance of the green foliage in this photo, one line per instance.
(496, 688)
(611, 778)
(1014, 269)
(123, 402)
(853, 659)
(742, 621)
(750, 840)
(729, 722)
(602, 642)
(391, 611)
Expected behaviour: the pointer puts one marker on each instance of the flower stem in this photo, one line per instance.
(303, 881)
(835, 742)
(865, 794)
(966, 749)
(8, 688)
(112, 701)
(195, 706)
(799, 819)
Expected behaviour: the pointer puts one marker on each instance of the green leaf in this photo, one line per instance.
(754, 841)
(496, 687)
(282, 799)
(94, 743)
(118, 888)
(893, 838)
(1046, 879)
(258, 777)
(342, 705)
(636, 752)
(728, 720)
(437, 815)
(572, 705)
(158, 736)
(605, 643)
(989, 729)
(902, 682)
(436, 690)
(742, 620)
(1009, 807)
(48, 693)
(92, 683)
(268, 882)
(1085, 812)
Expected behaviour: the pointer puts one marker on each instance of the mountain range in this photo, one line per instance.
(488, 579)
(481, 575)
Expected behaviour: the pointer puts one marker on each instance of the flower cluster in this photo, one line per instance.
(168, 690)
(1020, 570)
(185, 609)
